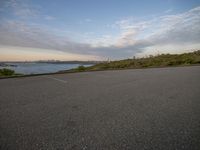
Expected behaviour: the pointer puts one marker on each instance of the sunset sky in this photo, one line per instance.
(96, 29)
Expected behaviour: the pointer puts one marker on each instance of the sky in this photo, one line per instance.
(97, 29)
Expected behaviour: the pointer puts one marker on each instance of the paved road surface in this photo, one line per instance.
(113, 110)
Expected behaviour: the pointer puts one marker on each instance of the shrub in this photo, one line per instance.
(6, 72)
(81, 68)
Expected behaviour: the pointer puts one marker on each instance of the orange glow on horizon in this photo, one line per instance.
(8, 53)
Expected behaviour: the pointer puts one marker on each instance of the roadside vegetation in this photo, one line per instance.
(81, 68)
(7, 72)
(162, 60)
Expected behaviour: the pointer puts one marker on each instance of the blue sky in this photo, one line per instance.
(97, 29)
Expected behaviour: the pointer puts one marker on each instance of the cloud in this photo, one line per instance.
(168, 11)
(88, 20)
(24, 35)
(21, 9)
(168, 33)
(179, 29)
(49, 18)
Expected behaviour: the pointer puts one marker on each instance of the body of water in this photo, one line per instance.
(37, 68)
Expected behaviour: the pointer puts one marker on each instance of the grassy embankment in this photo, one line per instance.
(163, 60)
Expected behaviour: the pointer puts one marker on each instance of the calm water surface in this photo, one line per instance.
(36, 68)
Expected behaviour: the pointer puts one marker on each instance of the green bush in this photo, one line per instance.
(81, 68)
(6, 72)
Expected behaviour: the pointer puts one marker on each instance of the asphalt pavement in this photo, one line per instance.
(138, 109)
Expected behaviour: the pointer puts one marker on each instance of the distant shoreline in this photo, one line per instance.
(38, 68)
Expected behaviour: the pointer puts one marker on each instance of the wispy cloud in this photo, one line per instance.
(88, 20)
(21, 9)
(49, 18)
(166, 33)
(168, 11)
(24, 9)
